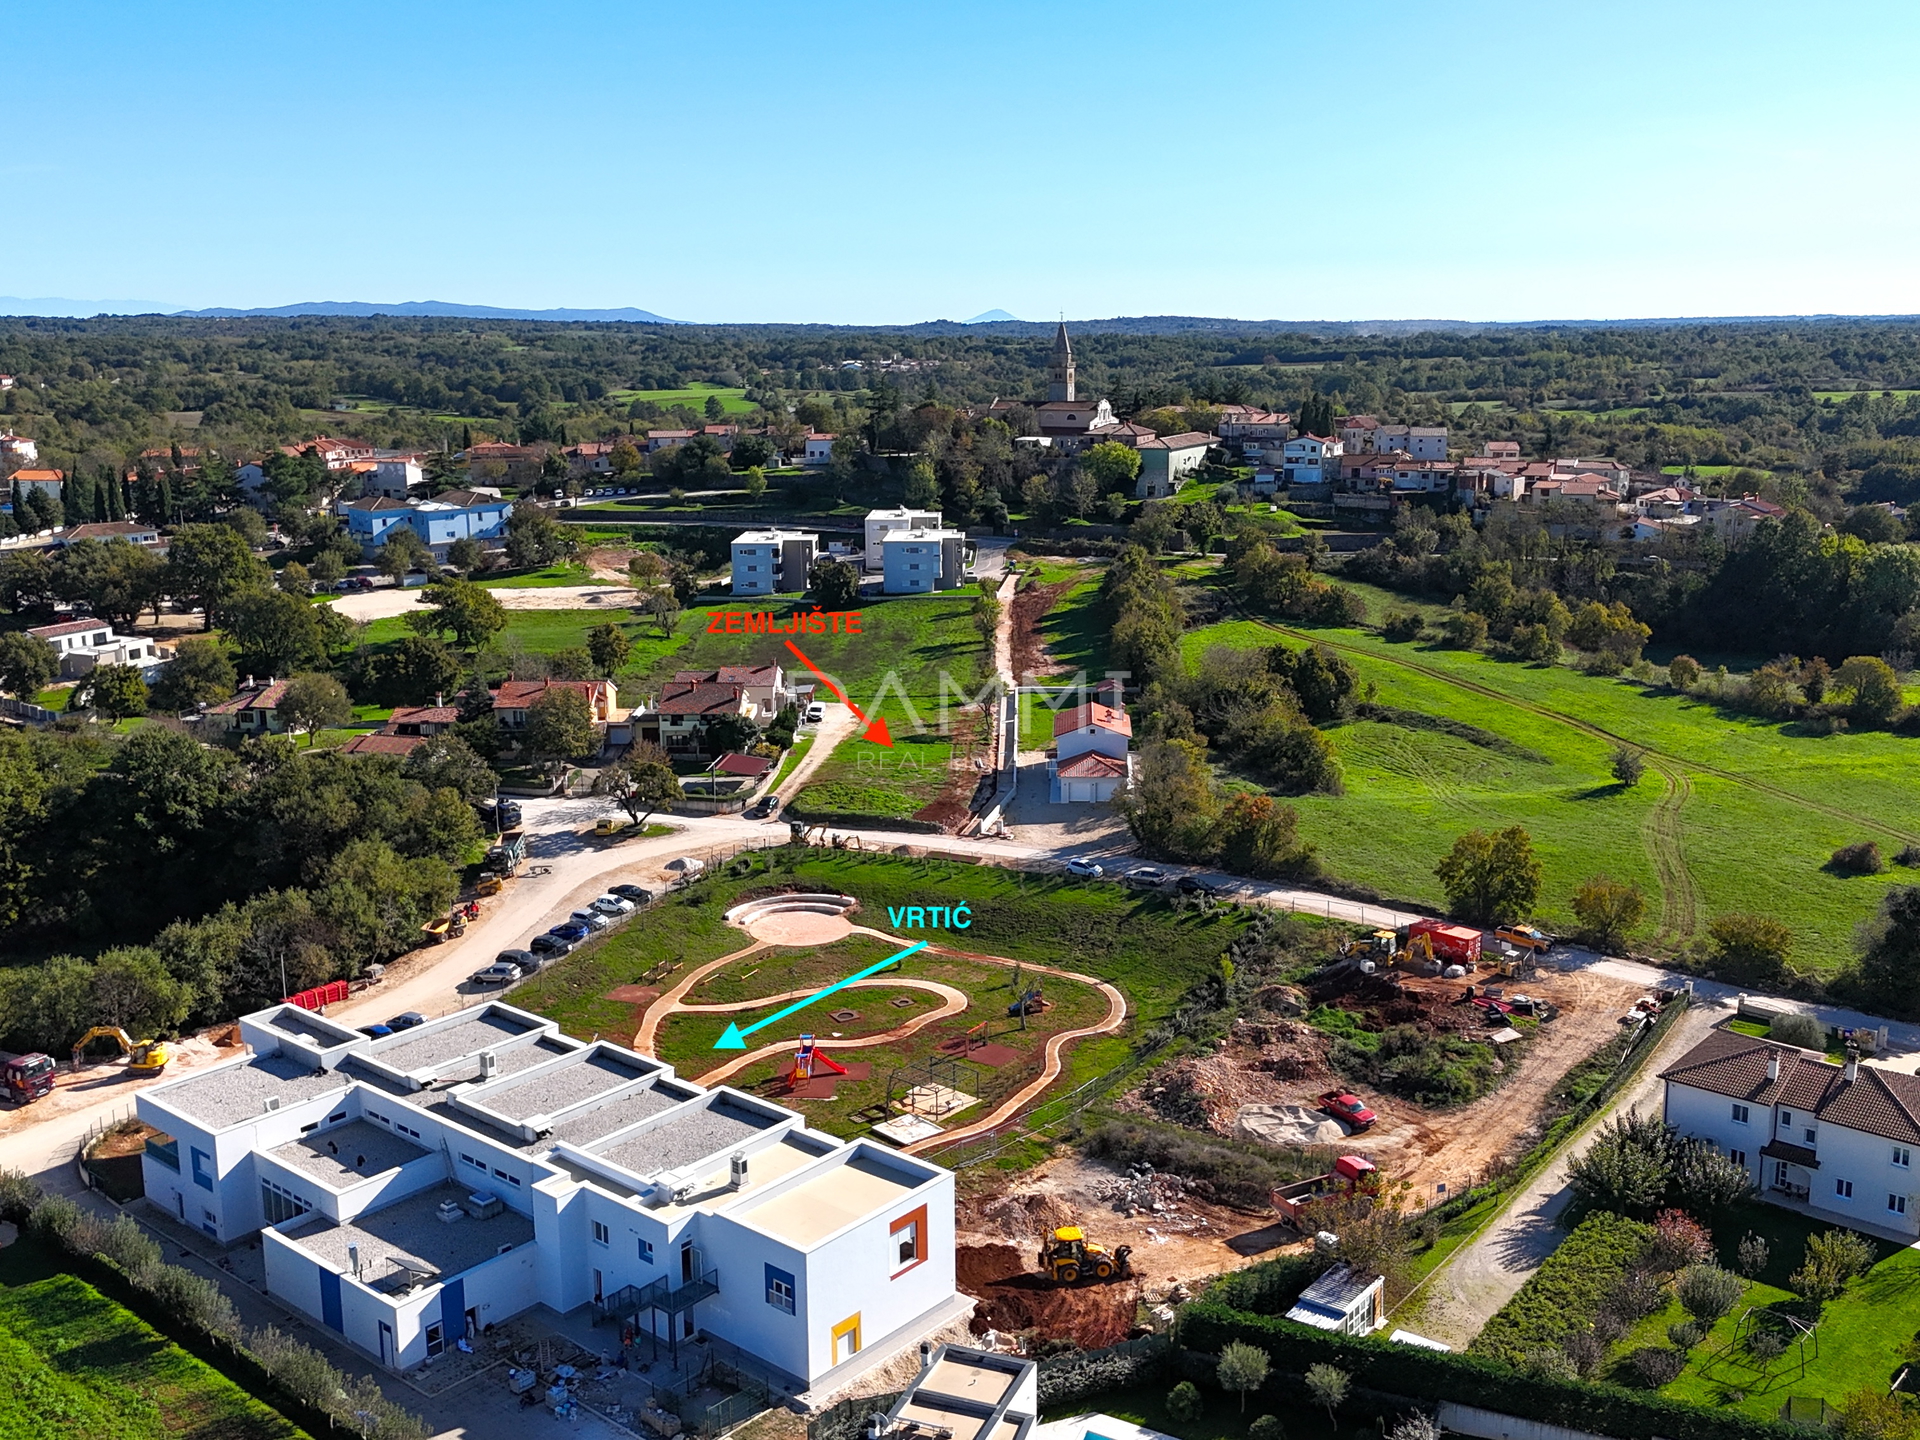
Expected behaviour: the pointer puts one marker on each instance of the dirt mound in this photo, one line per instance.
(1022, 1219)
(1013, 1298)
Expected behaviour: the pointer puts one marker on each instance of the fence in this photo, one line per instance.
(27, 711)
(1046, 1117)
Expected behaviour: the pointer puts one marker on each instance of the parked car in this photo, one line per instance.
(611, 904)
(1198, 885)
(590, 918)
(497, 973)
(1145, 877)
(549, 947)
(639, 894)
(376, 1031)
(1345, 1105)
(571, 931)
(407, 1019)
(769, 805)
(816, 713)
(1088, 868)
(523, 958)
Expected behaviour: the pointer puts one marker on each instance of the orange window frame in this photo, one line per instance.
(918, 1219)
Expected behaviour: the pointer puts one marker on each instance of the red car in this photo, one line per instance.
(1343, 1105)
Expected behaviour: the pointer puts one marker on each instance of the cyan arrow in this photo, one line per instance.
(736, 1038)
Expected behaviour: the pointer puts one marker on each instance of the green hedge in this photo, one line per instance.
(1432, 1375)
(1567, 1290)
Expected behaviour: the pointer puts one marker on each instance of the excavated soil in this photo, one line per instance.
(1014, 1298)
(953, 808)
(1031, 605)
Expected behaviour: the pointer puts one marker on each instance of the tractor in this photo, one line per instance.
(1069, 1257)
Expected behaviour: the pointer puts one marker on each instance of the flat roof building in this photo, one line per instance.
(408, 1190)
(772, 562)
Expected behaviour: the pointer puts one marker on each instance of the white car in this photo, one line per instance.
(592, 919)
(613, 905)
(1077, 866)
(816, 713)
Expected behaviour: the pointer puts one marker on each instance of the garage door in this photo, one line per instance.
(1081, 790)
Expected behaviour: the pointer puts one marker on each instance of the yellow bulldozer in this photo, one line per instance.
(1069, 1257)
(144, 1057)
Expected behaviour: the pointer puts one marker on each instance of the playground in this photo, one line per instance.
(942, 1044)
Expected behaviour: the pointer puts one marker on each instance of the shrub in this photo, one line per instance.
(1627, 1168)
(1685, 1334)
(1183, 1401)
(1267, 1427)
(1679, 1241)
(1683, 672)
(1215, 1169)
(1909, 856)
(1242, 1367)
(20, 1194)
(1403, 625)
(1705, 1179)
(1466, 630)
(1861, 858)
(1766, 1344)
(1655, 1366)
(1753, 1255)
(1706, 1292)
(1416, 1425)
(1831, 1259)
(1607, 909)
(1805, 1031)
(1328, 1384)
(1567, 1291)
(1555, 1361)
(1628, 766)
(1750, 949)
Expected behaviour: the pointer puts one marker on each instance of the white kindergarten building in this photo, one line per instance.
(1839, 1139)
(412, 1189)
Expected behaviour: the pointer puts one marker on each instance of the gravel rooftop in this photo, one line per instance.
(562, 1086)
(410, 1228)
(292, 1020)
(232, 1093)
(486, 1031)
(349, 1152)
(629, 1109)
(698, 1133)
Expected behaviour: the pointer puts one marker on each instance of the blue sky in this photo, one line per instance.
(871, 163)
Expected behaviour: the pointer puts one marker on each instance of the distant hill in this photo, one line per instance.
(60, 306)
(359, 308)
(988, 317)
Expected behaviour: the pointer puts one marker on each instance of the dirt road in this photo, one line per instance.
(393, 600)
(1484, 1274)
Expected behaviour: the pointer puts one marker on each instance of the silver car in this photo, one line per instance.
(590, 918)
(613, 905)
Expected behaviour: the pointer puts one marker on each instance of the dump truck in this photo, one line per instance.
(1350, 1173)
(506, 853)
(1069, 1257)
(1456, 944)
(144, 1057)
(25, 1078)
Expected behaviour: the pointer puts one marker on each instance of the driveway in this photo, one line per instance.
(1484, 1273)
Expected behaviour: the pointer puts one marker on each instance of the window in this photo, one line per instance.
(1902, 1156)
(1740, 1114)
(1843, 1189)
(278, 1203)
(202, 1169)
(500, 1174)
(907, 1240)
(479, 1165)
(1811, 1134)
(780, 1289)
(1897, 1204)
(1786, 1118)
(1739, 1157)
(436, 1338)
(646, 1251)
(601, 1235)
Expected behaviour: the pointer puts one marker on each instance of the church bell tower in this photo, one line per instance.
(1060, 368)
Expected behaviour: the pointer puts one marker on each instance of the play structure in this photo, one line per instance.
(1032, 1002)
(805, 1059)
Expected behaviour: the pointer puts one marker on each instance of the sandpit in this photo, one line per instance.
(795, 919)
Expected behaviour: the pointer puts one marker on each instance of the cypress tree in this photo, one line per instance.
(163, 500)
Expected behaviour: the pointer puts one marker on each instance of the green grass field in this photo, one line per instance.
(80, 1367)
(732, 400)
(566, 572)
(1139, 942)
(1734, 813)
(545, 631)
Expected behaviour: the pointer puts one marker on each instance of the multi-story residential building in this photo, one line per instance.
(1836, 1138)
(80, 645)
(409, 1191)
(881, 523)
(1304, 459)
(1167, 460)
(920, 560)
(771, 562)
(395, 479)
(1422, 442)
(453, 515)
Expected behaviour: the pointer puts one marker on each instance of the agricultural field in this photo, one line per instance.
(1735, 813)
(733, 401)
(545, 631)
(81, 1367)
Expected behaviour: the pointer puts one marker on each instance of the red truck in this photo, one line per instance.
(25, 1078)
(1349, 1173)
(1452, 944)
(1345, 1105)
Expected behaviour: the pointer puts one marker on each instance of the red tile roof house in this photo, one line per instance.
(1090, 754)
(678, 720)
(1837, 1141)
(420, 721)
(747, 767)
(382, 744)
(766, 685)
(252, 711)
(515, 697)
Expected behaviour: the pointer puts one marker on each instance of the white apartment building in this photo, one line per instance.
(772, 562)
(881, 523)
(393, 478)
(1421, 442)
(1305, 460)
(923, 559)
(1839, 1139)
(83, 644)
(410, 1190)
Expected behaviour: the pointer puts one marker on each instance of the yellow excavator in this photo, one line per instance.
(1069, 1257)
(144, 1057)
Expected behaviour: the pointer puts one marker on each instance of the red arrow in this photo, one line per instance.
(876, 730)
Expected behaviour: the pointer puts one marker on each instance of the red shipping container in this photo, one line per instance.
(1459, 944)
